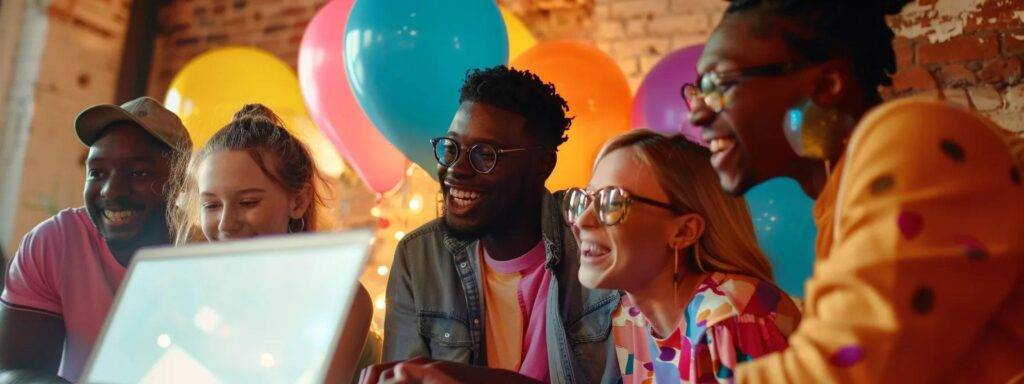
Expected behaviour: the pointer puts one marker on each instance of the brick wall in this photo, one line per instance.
(638, 33)
(188, 28)
(971, 49)
(80, 47)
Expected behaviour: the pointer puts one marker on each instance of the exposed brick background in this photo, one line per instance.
(79, 66)
(971, 49)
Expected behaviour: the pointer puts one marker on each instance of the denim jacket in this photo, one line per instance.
(435, 306)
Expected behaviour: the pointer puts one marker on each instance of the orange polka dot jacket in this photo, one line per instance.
(919, 275)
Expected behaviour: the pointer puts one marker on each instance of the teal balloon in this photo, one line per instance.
(784, 224)
(406, 61)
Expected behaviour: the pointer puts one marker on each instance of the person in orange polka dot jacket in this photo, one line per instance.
(919, 275)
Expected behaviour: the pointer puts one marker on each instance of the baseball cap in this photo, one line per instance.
(144, 111)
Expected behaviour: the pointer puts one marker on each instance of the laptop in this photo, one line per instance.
(265, 310)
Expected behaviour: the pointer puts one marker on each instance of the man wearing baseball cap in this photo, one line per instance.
(64, 275)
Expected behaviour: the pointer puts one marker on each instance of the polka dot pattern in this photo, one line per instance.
(953, 150)
(910, 224)
(847, 356)
(882, 184)
(923, 300)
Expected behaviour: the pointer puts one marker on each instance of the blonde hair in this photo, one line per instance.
(683, 169)
(280, 156)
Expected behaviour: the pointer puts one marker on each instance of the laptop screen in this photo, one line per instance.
(248, 316)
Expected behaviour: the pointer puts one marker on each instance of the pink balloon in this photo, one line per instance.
(658, 100)
(334, 109)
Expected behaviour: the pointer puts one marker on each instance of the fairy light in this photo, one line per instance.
(375, 211)
(380, 303)
(399, 235)
(382, 270)
(416, 203)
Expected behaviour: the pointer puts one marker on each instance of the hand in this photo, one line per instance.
(427, 371)
(418, 370)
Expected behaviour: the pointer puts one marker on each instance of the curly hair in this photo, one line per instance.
(523, 93)
(819, 30)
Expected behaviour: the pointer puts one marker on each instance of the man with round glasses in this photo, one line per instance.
(493, 282)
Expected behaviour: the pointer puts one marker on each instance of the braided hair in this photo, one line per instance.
(820, 30)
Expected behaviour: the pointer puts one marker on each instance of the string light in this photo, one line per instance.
(380, 303)
(399, 235)
(382, 270)
(416, 203)
(375, 211)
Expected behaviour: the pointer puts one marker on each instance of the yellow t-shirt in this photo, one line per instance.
(515, 297)
(504, 328)
(920, 277)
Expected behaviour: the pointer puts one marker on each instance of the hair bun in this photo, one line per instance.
(257, 111)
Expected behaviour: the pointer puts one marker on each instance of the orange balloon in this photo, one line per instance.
(598, 96)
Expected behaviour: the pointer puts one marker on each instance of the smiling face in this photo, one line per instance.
(747, 138)
(126, 171)
(238, 200)
(636, 250)
(475, 203)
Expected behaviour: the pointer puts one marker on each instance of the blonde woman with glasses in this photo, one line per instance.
(699, 296)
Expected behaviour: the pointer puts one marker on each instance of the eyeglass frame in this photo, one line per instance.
(724, 80)
(628, 197)
(459, 149)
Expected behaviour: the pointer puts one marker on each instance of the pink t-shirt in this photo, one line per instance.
(516, 296)
(63, 268)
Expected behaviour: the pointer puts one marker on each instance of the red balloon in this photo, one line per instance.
(334, 109)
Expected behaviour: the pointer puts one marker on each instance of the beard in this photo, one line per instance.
(493, 217)
(464, 232)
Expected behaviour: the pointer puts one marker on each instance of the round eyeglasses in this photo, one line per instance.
(482, 156)
(611, 204)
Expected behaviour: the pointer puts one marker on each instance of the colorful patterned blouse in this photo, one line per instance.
(730, 319)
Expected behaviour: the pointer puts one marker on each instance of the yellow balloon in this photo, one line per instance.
(208, 91)
(520, 39)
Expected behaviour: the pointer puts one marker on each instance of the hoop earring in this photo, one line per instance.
(302, 225)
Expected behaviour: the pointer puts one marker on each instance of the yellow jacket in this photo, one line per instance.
(919, 275)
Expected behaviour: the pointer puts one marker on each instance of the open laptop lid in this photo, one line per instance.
(252, 311)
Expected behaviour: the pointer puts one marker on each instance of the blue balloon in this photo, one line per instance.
(784, 224)
(406, 61)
